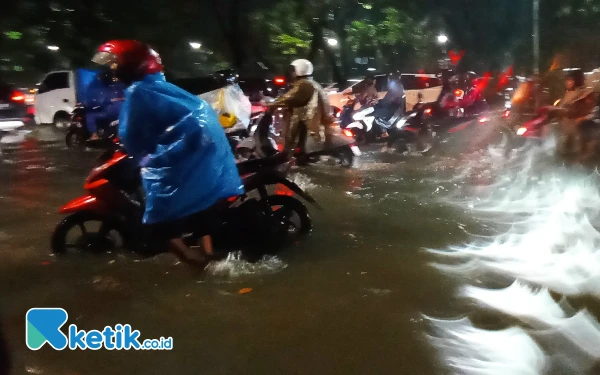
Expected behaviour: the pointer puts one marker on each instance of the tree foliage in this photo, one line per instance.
(242, 33)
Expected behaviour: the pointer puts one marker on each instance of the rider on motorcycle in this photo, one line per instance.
(365, 92)
(575, 110)
(188, 168)
(105, 96)
(309, 107)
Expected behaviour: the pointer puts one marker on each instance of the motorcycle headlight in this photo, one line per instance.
(400, 124)
(362, 114)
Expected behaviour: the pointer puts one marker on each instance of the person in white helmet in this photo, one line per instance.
(308, 106)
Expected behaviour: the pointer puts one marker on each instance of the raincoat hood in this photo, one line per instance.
(188, 163)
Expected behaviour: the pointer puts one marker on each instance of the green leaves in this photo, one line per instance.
(14, 35)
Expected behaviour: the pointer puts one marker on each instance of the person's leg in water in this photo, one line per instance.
(302, 137)
(190, 255)
(90, 122)
(169, 233)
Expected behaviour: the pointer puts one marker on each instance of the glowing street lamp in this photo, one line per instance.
(332, 42)
(53, 48)
(195, 45)
(442, 39)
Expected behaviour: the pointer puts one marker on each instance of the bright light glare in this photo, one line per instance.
(53, 48)
(195, 45)
(442, 39)
(332, 42)
(371, 69)
(521, 131)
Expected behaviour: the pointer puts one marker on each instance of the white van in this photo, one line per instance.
(55, 98)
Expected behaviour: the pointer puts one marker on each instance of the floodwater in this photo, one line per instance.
(397, 277)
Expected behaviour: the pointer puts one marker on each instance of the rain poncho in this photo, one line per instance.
(309, 105)
(107, 98)
(187, 161)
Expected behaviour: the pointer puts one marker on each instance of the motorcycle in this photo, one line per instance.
(78, 132)
(115, 202)
(265, 140)
(367, 124)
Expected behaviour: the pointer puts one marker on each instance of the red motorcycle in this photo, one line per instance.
(109, 217)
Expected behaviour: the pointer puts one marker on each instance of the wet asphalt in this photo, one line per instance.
(348, 299)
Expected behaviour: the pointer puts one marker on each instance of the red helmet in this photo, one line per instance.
(130, 59)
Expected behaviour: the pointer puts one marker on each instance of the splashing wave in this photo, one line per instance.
(549, 244)
(235, 266)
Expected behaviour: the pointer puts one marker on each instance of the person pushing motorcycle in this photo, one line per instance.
(308, 109)
(187, 166)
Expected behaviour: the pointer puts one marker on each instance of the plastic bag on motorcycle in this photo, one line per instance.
(233, 107)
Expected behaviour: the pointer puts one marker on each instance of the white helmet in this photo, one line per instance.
(303, 67)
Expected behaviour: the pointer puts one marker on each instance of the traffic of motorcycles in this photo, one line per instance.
(274, 209)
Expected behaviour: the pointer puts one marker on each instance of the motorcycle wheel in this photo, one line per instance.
(427, 143)
(345, 157)
(97, 239)
(291, 214)
(73, 139)
(360, 137)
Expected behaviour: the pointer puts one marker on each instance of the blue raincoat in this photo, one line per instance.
(109, 99)
(188, 164)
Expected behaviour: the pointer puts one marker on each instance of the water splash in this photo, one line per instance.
(235, 266)
(472, 351)
(303, 181)
(548, 219)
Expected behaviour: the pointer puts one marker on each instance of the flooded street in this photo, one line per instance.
(411, 268)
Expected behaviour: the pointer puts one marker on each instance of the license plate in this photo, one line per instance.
(3, 105)
(355, 150)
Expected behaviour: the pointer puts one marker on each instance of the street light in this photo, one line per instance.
(442, 39)
(195, 45)
(332, 42)
(53, 48)
(536, 36)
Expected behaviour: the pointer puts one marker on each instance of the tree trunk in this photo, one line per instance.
(317, 39)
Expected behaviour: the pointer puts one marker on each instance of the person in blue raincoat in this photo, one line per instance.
(104, 97)
(188, 168)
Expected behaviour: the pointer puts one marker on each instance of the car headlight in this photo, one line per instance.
(362, 114)
(521, 131)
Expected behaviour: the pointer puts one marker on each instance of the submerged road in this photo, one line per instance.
(361, 295)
